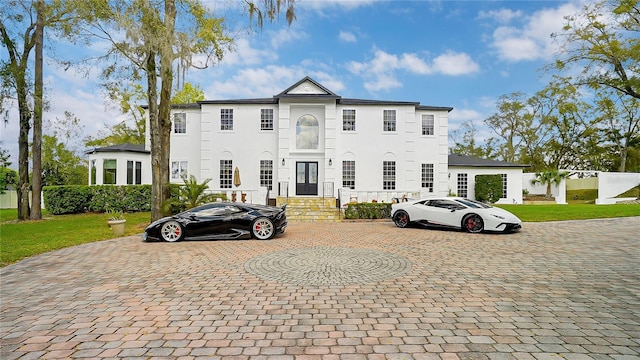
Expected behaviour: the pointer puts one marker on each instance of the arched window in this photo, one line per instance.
(307, 132)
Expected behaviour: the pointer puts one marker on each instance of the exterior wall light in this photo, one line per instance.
(330, 163)
(282, 161)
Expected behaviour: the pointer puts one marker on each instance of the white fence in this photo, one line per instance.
(611, 185)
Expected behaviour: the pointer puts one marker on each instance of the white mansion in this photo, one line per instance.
(309, 142)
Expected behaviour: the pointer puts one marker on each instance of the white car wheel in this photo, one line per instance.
(263, 229)
(171, 231)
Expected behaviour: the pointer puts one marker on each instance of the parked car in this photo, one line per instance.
(220, 220)
(454, 212)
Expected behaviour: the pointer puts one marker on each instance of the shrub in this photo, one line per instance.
(67, 199)
(488, 188)
(368, 211)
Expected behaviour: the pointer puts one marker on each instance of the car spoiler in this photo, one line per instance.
(283, 207)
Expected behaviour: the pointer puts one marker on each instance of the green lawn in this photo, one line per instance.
(19, 240)
(537, 213)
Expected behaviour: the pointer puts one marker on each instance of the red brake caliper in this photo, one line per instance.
(177, 232)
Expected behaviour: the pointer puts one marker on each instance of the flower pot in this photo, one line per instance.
(117, 226)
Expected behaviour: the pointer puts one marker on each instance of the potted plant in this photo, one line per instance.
(116, 221)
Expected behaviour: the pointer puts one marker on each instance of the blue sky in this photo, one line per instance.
(462, 54)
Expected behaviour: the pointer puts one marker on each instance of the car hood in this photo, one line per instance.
(504, 213)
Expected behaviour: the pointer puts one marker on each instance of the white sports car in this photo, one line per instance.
(453, 212)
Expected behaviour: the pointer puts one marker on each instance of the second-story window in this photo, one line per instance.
(266, 119)
(226, 119)
(427, 125)
(349, 120)
(180, 123)
(389, 120)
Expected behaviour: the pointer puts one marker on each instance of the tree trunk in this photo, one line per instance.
(36, 152)
(23, 149)
(548, 195)
(166, 78)
(623, 159)
(154, 133)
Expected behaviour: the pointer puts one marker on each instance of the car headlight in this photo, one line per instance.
(498, 216)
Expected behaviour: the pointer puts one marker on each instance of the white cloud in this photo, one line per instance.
(245, 54)
(286, 36)
(462, 115)
(347, 36)
(452, 63)
(266, 82)
(502, 15)
(381, 71)
(532, 41)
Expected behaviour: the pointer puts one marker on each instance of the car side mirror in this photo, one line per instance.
(193, 216)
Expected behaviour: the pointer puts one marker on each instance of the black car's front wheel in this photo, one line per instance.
(473, 223)
(171, 231)
(401, 218)
(263, 229)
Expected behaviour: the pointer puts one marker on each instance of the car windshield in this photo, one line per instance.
(473, 204)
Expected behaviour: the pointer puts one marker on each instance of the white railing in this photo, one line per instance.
(348, 195)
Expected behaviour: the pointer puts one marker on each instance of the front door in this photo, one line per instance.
(307, 178)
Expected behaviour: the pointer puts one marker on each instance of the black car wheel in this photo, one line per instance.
(473, 223)
(171, 231)
(401, 218)
(263, 229)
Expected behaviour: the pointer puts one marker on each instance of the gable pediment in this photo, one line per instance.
(307, 88)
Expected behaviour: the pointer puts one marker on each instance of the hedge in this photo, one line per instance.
(368, 211)
(70, 199)
(488, 188)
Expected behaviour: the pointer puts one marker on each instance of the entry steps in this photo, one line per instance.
(311, 209)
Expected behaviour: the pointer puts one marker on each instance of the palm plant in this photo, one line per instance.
(190, 195)
(549, 177)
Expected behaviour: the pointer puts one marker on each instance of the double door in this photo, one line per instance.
(307, 178)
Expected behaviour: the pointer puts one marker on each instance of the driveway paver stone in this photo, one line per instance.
(351, 290)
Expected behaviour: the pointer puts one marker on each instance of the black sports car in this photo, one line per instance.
(220, 220)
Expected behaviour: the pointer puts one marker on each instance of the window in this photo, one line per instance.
(389, 120)
(504, 186)
(349, 120)
(462, 185)
(427, 176)
(266, 174)
(307, 132)
(134, 172)
(226, 119)
(180, 123)
(226, 174)
(266, 119)
(178, 169)
(349, 174)
(388, 175)
(109, 171)
(93, 172)
(427, 125)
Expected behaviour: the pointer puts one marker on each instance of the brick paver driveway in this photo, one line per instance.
(335, 291)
